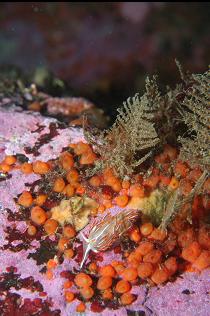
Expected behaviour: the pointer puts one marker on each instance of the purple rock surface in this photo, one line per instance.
(20, 131)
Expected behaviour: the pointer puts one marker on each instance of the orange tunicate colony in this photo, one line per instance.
(156, 256)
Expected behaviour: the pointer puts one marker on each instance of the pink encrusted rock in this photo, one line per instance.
(188, 295)
(20, 132)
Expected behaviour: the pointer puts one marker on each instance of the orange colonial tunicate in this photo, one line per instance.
(49, 274)
(87, 292)
(104, 282)
(174, 183)
(93, 267)
(72, 176)
(69, 231)
(52, 263)
(63, 243)
(69, 190)
(191, 252)
(204, 237)
(50, 226)
(145, 247)
(66, 160)
(129, 274)
(116, 186)
(107, 294)
(67, 284)
(181, 169)
(121, 200)
(171, 265)
(95, 181)
(101, 208)
(119, 268)
(135, 234)
(107, 270)
(31, 230)
(69, 253)
(203, 261)
(146, 229)
(25, 199)
(26, 168)
(186, 237)
(40, 199)
(38, 215)
(134, 256)
(4, 167)
(152, 181)
(40, 167)
(158, 234)
(122, 286)
(160, 275)
(80, 190)
(59, 185)
(10, 160)
(81, 148)
(81, 307)
(136, 190)
(87, 158)
(126, 184)
(145, 269)
(69, 296)
(83, 280)
(127, 298)
(153, 256)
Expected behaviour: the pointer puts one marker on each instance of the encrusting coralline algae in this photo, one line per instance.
(51, 203)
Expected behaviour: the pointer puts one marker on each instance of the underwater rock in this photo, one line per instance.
(67, 106)
(72, 110)
(33, 135)
(24, 287)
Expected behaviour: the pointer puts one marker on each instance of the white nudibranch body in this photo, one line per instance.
(104, 233)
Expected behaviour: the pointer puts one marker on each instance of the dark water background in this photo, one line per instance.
(102, 51)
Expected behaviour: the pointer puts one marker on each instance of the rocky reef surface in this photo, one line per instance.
(24, 288)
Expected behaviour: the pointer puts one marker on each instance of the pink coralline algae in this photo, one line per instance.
(25, 288)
